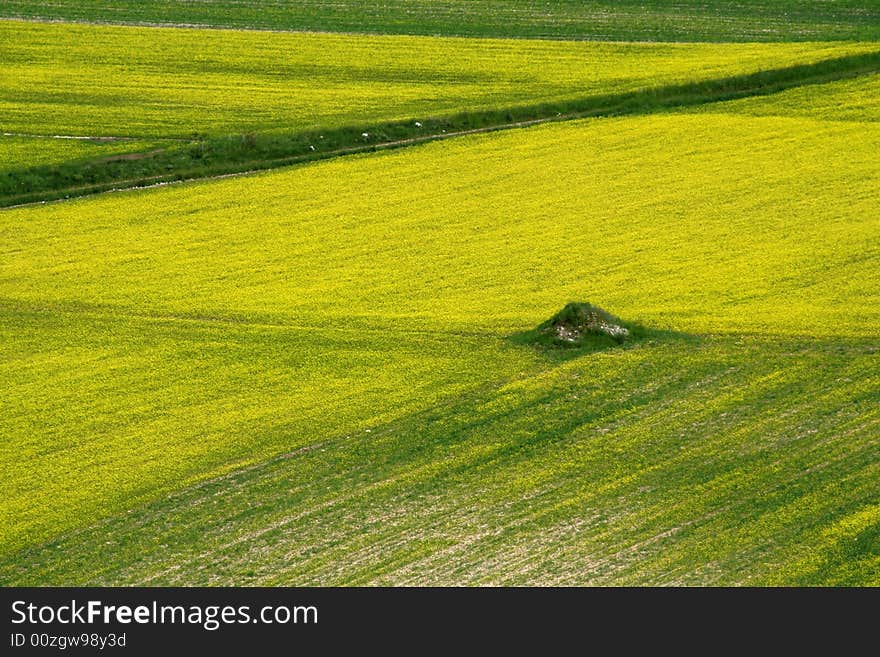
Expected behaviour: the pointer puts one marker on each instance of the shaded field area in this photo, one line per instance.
(307, 376)
(626, 20)
(105, 410)
(692, 461)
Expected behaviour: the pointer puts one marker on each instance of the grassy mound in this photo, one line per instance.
(582, 324)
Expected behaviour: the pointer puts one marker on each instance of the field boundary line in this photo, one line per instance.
(255, 152)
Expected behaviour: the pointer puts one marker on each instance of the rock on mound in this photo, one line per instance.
(578, 321)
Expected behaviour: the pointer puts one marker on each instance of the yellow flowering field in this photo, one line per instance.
(318, 361)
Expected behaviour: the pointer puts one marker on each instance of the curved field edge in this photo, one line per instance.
(697, 461)
(654, 20)
(303, 97)
(852, 99)
(252, 152)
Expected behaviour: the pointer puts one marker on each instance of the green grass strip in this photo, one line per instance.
(232, 154)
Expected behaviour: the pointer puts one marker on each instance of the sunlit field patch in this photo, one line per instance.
(151, 82)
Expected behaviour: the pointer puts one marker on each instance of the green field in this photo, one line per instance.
(316, 374)
(627, 20)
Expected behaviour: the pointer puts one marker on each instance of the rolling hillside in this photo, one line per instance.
(285, 340)
(355, 317)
